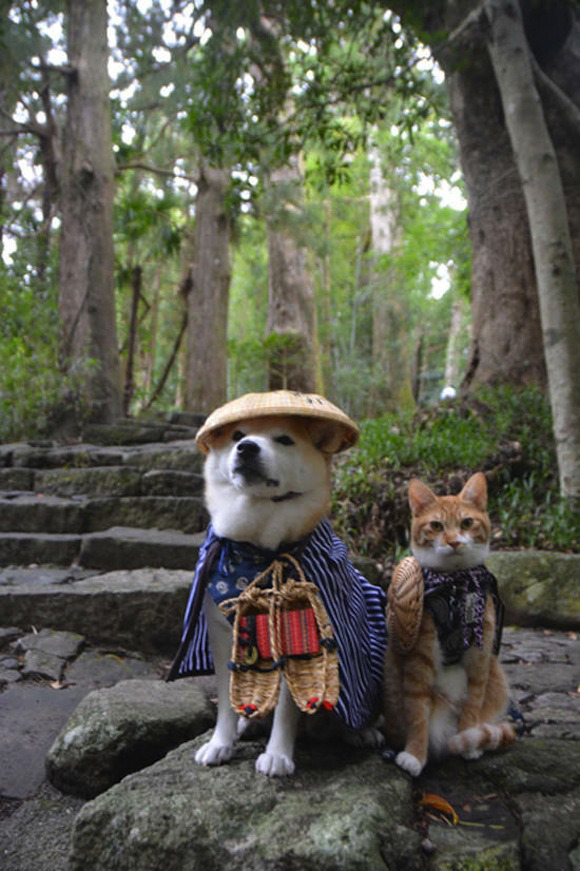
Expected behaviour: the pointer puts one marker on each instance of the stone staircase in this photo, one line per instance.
(127, 497)
(101, 537)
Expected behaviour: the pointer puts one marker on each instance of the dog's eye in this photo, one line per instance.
(284, 440)
(237, 435)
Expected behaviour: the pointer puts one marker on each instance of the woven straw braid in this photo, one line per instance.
(405, 605)
(312, 681)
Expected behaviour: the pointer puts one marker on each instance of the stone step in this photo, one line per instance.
(117, 481)
(31, 512)
(124, 547)
(135, 433)
(140, 610)
(24, 548)
(115, 548)
(18, 459)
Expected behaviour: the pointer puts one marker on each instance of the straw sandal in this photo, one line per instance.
(405, 605)
(281, 625)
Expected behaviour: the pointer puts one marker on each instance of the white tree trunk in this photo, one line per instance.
(553, 258)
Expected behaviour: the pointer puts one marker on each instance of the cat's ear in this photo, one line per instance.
(475, 491)
(420, 496)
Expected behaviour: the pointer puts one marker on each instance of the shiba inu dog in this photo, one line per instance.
(267, 488)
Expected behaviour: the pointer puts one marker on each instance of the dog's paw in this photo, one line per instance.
(274, 765)
(214, 753)
(370, 737)
(409, 763)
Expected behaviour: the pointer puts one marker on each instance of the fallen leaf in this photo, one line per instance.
(438, 803)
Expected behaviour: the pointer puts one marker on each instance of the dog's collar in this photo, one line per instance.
(291, 494)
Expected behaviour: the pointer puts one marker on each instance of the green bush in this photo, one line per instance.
(506, 433)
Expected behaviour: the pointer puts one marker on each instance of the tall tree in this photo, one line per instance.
(540, 176)
(207, 299)
(291, 325)
(86, 301)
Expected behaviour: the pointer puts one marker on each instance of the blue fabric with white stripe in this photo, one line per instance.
(356, 611)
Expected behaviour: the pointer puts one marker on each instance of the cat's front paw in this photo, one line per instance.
(409, 763)
(214, 753)
(274, 765)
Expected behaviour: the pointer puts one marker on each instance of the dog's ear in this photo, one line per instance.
(325, 435)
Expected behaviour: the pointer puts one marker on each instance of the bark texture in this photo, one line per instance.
(507, 335)
(208, 297)
(548, 220)
(86, 300)
(291, 324)
(392, 376)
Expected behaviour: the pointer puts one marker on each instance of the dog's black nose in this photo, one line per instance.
(248, 448)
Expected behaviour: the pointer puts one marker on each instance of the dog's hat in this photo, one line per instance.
(276, 403)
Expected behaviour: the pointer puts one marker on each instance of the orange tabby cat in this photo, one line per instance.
(448, 692)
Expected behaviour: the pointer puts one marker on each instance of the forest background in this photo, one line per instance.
(204, 199)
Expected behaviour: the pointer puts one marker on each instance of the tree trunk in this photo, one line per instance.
(207, 301)
(392, 379)
(87, 301)
(136, 281)
(291, 324)
(452, 355)
(507, 345)
(552, 246)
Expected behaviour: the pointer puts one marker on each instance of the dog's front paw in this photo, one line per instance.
(409, 763)
(370, 737)
(274, 765)
(214, 753)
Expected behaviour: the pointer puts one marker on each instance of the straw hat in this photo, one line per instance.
(276, 403)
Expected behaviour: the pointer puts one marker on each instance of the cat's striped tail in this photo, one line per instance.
(471, 743)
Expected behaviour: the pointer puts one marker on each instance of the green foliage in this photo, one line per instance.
(505, 432)
(33, 390)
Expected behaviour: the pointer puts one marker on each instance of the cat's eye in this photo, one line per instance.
(436, 525)
(237, 435)
(467, 523)
(284, 440)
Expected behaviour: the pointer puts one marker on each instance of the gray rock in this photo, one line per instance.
(108, 480)
(31, 716)
(64, 645)
(126, 548)
(38, 663)
(122, 729)
(538, 588)
(18, 548)
(550, 830)
(8, 634)
(32, 513)
(102, 668)
(141, 610)
(186, 514)
(168, 482)
(36, 835)
(8, 675)
(343, 809)
(16, 479)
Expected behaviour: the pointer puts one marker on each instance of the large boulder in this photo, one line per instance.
(122, 729)
(539, 588)
(343, 809)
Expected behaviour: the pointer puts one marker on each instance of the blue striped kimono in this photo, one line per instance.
(354, 606)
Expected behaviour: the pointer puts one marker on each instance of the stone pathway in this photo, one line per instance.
(97, 543)
(45, 675)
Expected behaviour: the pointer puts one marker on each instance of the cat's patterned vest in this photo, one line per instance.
(456, 601)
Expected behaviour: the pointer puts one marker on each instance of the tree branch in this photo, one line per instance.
(156, 170)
